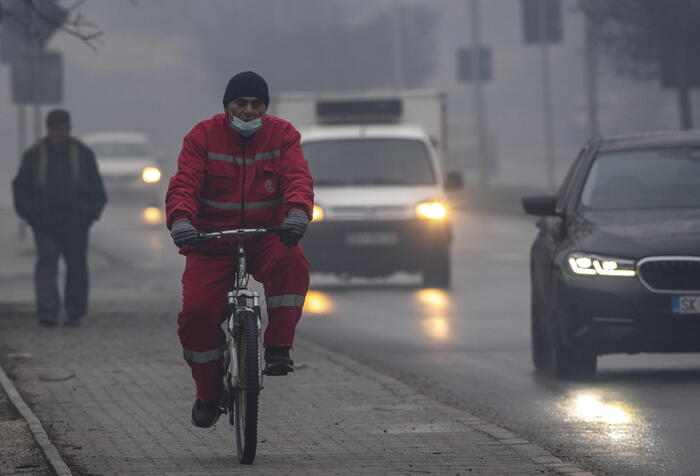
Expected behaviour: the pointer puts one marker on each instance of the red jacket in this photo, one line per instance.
(224, 181)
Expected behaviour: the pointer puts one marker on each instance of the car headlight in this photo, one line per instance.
(431, 210)
(317, 214)
(592, 265)
(151, 174)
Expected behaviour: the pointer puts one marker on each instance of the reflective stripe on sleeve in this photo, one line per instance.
(268, 155)
(229, 158)
(237, 205)
(238, 160)
(289, 300)
(203, 357)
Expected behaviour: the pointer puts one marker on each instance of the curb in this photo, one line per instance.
(525, 448)
(53, 457)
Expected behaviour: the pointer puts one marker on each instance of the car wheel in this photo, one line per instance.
(540, 344)
(436, 273)
(570, 362)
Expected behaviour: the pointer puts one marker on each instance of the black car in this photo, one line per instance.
(615, 266)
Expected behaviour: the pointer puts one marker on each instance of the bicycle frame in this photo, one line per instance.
(240, 299)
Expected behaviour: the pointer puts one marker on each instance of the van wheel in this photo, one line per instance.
(436, 273)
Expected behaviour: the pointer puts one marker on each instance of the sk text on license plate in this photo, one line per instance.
(686, 304)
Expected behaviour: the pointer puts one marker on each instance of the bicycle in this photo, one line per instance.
(243, 376)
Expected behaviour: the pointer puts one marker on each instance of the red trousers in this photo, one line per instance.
(284, 273)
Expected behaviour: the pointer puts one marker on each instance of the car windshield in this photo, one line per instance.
(120, 149)
(350, 162)
(644, 179)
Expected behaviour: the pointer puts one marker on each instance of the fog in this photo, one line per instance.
(162, 65)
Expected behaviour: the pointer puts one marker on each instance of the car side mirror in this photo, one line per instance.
(540, 206)
(454, 181)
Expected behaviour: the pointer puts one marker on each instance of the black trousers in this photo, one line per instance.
(50, 245)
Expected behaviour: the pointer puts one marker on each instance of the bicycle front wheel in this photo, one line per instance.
(249, 388)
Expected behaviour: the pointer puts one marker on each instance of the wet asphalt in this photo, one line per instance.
(470, 346)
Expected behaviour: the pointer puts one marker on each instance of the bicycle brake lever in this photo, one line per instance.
(203, 237)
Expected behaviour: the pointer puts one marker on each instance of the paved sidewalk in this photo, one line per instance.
(115, 398)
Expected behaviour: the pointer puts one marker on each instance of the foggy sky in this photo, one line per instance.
(162, 66)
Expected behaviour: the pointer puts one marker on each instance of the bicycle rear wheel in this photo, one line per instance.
(249, 388)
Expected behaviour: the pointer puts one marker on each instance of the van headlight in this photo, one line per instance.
(151, 175)
(431, 210)
(317, 214)
(592, 265)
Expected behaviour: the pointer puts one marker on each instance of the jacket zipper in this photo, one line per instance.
(245, 143)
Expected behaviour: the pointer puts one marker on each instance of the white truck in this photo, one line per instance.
(380, 191)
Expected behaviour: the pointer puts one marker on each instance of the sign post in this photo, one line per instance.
(37, 77)
(542, 26)
(474, 66)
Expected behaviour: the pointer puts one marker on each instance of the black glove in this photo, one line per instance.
(184, 233)
(293, 228)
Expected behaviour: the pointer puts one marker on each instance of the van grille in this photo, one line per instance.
(368, 212)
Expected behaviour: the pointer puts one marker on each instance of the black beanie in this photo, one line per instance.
(247, 84)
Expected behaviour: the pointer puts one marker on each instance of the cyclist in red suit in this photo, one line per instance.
(242, 168)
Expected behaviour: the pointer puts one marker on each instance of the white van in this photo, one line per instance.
(380, 202)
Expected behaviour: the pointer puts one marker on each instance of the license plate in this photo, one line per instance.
(371, 238)
(686, 304)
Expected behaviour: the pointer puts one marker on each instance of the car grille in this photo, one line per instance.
(671, 274)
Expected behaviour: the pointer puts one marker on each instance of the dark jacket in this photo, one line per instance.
(59, 187)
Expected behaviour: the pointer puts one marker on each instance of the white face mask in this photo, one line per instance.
(246, 129)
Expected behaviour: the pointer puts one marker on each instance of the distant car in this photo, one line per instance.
(127, 163)
(615, 267)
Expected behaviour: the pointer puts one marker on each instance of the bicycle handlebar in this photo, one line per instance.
(240, 232)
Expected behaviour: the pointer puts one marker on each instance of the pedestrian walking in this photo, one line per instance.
(58, 191)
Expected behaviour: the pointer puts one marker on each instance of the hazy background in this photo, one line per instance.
(162, 66)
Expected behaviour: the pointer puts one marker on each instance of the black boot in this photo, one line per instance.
(204, 414)
(277, 360)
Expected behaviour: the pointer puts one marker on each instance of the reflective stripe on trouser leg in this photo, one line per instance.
(203, 357)
(283, 314)
(285, 300)
(284, 273)
(204, 286)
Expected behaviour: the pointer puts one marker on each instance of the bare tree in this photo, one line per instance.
(651, 38)
(35, 16)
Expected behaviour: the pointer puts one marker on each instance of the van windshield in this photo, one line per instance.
(351, 162)
(120, 149)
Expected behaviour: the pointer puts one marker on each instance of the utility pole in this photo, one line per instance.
(21, 147)
(591, 78)
(547, 96)
(479, 103)
(397, 30)
(37, 75)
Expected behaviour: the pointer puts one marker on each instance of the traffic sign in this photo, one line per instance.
(473, 64)
(38, 79)
(534, 13)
